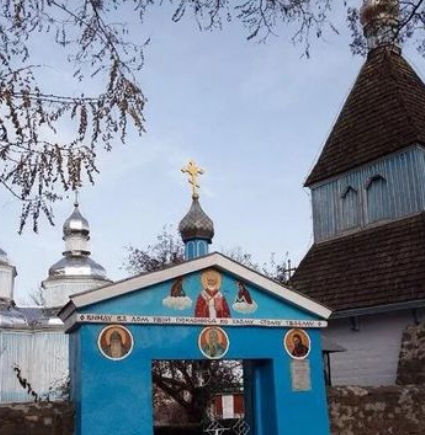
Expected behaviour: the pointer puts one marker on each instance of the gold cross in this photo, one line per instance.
(193, 170)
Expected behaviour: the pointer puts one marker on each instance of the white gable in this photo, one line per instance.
(216, 260)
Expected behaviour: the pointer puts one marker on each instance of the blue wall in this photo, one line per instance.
(114, 397)
(352, 202)
(114, 394)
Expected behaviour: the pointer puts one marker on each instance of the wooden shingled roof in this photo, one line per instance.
(384, 112)
(378, 266)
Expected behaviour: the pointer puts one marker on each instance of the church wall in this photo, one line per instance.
(372, 352)
(358, 198)
(42, 418)
(377, 411)
(353, 411)
(56, 292)
(411, 367)
(42, 357)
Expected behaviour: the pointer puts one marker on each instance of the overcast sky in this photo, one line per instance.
(254, 116)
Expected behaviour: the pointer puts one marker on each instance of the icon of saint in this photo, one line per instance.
(213, 342)
(115, 342)
(116, 345)
(211, 302)
(299, 349)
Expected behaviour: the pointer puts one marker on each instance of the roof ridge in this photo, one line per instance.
(406, 107)
(383, 113)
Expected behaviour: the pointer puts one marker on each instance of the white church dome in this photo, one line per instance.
(75, 272)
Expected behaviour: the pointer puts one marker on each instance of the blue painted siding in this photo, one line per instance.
(196, 248)
(113, 403)
(389, 189)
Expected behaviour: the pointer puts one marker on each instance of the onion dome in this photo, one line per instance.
(196, 228)
(196, 224)
(76, 223)
(76, 271)
(380, 20)
(76, 233)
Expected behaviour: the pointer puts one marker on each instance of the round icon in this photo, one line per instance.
(297, 343)
(213, 342)
(115, 342)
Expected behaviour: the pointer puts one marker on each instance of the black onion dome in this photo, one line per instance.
(196, 224)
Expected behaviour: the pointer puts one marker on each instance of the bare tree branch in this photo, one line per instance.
(36, 164)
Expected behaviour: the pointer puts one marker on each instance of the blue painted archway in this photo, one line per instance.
(117, 331)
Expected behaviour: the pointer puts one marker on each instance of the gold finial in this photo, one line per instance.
(193, 170)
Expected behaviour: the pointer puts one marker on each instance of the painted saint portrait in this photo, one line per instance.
(213, 342)
(211, 302)
(115, 342)
(297, 343)
(177, 300)
(243, 301)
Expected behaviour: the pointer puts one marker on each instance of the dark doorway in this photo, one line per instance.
(194, 397)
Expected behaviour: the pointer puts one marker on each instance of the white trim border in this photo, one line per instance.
(130, 319)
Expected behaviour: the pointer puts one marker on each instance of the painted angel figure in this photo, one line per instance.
(211, 302)
(243, 301)
(178, 300)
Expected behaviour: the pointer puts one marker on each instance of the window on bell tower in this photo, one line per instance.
(377, 199)
(350, 209)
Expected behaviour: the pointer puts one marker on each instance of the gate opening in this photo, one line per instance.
(194, 397)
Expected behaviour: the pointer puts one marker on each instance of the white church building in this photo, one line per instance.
(32, 341)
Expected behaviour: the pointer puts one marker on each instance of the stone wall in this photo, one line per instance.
(411, 365)
(398, 410)
(44, 418)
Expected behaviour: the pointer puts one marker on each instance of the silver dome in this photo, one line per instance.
(76, 223)
(78, 267)
(196, 224)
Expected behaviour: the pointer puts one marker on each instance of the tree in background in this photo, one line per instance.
(168, 250)
(35, 165)
(192, 385)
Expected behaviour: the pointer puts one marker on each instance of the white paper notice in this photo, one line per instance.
(228, 407)
(300, 374)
